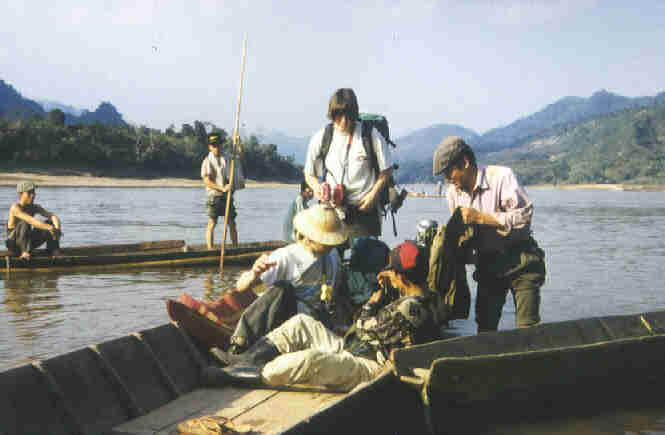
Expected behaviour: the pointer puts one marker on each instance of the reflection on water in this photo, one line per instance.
(604, 257)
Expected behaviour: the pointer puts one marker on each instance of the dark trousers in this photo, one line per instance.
(276, 305)
(521, 271)
(25, 238)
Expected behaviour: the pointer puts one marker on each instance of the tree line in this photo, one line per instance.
(126, 150)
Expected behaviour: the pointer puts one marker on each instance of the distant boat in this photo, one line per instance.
(142, 254)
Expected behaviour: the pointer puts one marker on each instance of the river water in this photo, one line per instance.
(605, 256)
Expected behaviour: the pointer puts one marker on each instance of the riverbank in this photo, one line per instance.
(82, 179)
(617, 187)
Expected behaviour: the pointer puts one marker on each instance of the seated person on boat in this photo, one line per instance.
(24, 232)
(302, 351)
(295, 277)
(300, 203)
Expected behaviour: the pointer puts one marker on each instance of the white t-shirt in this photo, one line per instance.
(359, 176)
(217, 170)
(303, 270)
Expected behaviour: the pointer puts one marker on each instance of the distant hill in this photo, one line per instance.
(50, 105)
(627, 147)
(566, 112)
(286, 145)
(420, 144)
(14, 106)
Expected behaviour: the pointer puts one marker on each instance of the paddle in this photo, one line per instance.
(234, 148)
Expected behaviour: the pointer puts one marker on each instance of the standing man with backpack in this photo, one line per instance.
(350, 165)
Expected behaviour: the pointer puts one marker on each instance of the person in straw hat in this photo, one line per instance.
(303, 351)
(300, 278)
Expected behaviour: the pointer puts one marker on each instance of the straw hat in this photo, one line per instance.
(321, 224)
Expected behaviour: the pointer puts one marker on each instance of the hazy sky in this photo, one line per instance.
(480, 64)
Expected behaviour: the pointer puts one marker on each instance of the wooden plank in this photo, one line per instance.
(200, 402)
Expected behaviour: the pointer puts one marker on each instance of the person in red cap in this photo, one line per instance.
(508, 256)
(304, 352)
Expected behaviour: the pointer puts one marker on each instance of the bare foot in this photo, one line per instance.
(25, 256)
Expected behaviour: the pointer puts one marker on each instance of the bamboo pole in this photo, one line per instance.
(234, 148)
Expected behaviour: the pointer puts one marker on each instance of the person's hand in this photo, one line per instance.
(55, 233)
(392, 277)
(262, 264)
(376, 296)
(367, 202)
(469, 215)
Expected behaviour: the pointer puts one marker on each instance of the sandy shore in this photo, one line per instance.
(85, 180)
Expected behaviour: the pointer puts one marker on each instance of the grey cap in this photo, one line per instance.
(447, 153)
(25, 186)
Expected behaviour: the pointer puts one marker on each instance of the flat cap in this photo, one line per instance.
(25, 186)
(447, 153)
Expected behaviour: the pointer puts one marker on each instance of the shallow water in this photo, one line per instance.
(604, 249)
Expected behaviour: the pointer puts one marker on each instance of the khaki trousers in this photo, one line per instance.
(314, 355)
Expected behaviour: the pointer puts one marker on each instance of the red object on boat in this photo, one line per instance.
(211, 323)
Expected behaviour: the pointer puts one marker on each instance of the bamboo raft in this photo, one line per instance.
(143, 254)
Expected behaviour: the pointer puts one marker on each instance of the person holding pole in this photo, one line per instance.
(216, 175)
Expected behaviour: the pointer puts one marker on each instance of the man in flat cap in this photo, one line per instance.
(508, 258)
(24, 232)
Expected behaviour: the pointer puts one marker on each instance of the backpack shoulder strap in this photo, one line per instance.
(325, 143)
(326, 140)
(366, 133)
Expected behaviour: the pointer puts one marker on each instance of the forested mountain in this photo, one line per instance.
(627, 147)
(606, 138)
(102, 143)
(13, 106)
(566, 112)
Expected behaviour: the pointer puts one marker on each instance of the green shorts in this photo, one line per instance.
(216, 206)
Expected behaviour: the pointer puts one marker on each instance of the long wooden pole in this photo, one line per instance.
(235, 143)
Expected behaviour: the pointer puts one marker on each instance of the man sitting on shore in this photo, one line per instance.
(24, 232)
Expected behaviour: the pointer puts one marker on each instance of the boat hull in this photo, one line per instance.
(167, 253)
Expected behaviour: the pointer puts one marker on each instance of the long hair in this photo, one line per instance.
(344, 103)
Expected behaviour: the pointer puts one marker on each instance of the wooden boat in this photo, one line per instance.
(143, 254)
(574, 363)
(149, 382)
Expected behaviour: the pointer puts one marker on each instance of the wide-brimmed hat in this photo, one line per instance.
(321, 224)
(25, 186)
(447, 153)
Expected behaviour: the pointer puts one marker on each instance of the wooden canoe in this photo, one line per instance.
(575, 363)
(148, 382)
(143, 254)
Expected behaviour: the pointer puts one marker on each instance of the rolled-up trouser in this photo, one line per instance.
(24, 238)
(314, 355)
